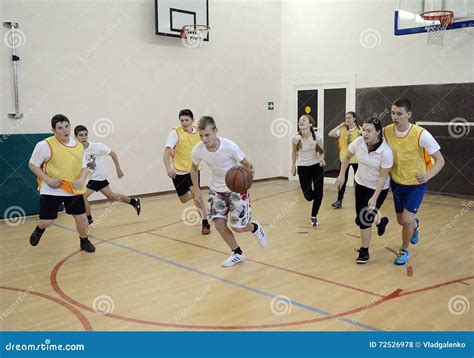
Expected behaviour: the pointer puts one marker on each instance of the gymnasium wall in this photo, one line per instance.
(102, 59)
(321, 38)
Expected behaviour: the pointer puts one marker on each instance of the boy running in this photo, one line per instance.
(221, 154)
(177, 159)
(95, 155)
(412, 147)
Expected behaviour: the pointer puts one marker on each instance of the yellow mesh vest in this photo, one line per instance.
(408, 158)
(346, 137)
(65, 164)
(182, 152)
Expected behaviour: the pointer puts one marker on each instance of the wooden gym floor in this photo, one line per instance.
(153, 272)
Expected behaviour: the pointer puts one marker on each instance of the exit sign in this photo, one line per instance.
(271, 106)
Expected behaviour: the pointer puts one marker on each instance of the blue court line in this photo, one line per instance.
(255, 290)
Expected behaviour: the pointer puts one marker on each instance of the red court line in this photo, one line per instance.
(272, 266)
(61, 293)
(356, 236)
(408, 267)
(395, 294)
(406, 293)
(84, 321)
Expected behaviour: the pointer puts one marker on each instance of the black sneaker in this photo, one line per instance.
(36, 236)
(86, 245)
(90, 221)
(363, 256)
(337, 204)
(381, 226)
(138, 207)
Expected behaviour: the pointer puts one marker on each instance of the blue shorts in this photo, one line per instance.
(407, 197)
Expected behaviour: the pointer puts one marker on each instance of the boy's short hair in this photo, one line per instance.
(186, 112)
(80, 128)
(206, 121)
(403, 102)
(58, 118)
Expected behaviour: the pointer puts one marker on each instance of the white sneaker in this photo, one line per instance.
(233, 259)
(260, 234)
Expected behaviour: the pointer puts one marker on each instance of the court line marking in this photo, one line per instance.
(270, 265)
(83, 319)
(408, 267)
(260, 292)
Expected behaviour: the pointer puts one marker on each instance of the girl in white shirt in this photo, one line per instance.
(308, 156)
(372, 180)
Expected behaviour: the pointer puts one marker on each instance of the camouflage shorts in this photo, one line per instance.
(234, 207)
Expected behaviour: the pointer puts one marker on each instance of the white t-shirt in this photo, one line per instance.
(172, 141)
(41, 154)
(307, 155)
(96, 154)
(219, 162)
(426, 140)
(370, 164)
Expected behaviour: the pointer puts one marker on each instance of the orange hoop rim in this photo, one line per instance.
(443, 16)
(194, 29)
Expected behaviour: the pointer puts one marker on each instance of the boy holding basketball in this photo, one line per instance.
(177, 159)
(412, 147)
(221, 154)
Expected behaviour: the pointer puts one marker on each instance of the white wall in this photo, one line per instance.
(338, 37)
(94, 59)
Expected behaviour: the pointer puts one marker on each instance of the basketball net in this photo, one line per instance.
(436, 23)
(193, 35)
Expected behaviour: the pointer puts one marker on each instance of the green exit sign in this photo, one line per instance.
(271, 106)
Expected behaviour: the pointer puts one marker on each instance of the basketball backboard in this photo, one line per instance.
(408, 20)
(172, 15)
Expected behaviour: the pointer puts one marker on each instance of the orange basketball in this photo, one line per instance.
(238, 179)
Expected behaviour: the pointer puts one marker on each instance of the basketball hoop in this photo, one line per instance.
(193, 35)
(436, 23)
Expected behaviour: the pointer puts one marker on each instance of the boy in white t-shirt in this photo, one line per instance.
(95, 155)
(221, 154)
(60, 166)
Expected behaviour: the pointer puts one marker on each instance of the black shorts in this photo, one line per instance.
(364, 217)
(97, 185)
(49, 205)
(183, 182)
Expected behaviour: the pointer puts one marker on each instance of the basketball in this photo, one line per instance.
(238, 179)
